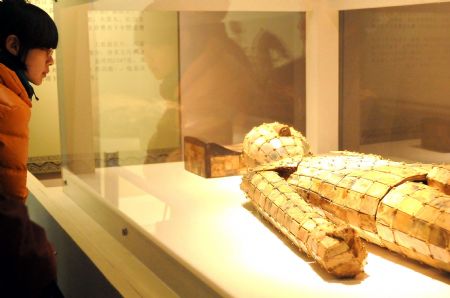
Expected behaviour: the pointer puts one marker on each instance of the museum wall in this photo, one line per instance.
(44, 150)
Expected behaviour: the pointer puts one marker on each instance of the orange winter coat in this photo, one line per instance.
(15, 111)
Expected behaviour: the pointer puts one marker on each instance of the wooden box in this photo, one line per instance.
(211, 160)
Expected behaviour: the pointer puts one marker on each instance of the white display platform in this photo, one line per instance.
(210, 228)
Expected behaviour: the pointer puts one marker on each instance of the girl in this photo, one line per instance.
(27, 39)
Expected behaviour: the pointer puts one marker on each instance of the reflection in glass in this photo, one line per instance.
(125, 96)
(395, 78)
(153, 77)
(159, 38)
(239, 70)
(221, 73)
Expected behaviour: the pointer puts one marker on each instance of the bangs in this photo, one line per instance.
(42, 31)
(45, 35)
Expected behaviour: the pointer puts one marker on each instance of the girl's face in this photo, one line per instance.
(38, 62)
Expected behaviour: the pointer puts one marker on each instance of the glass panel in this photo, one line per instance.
(135, 82)
(130, 53)
(395, 79)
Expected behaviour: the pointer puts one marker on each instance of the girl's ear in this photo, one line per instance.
(12, 44)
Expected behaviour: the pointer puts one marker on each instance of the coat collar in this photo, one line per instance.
(10, 79)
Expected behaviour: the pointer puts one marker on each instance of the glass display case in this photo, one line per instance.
(136, 80)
